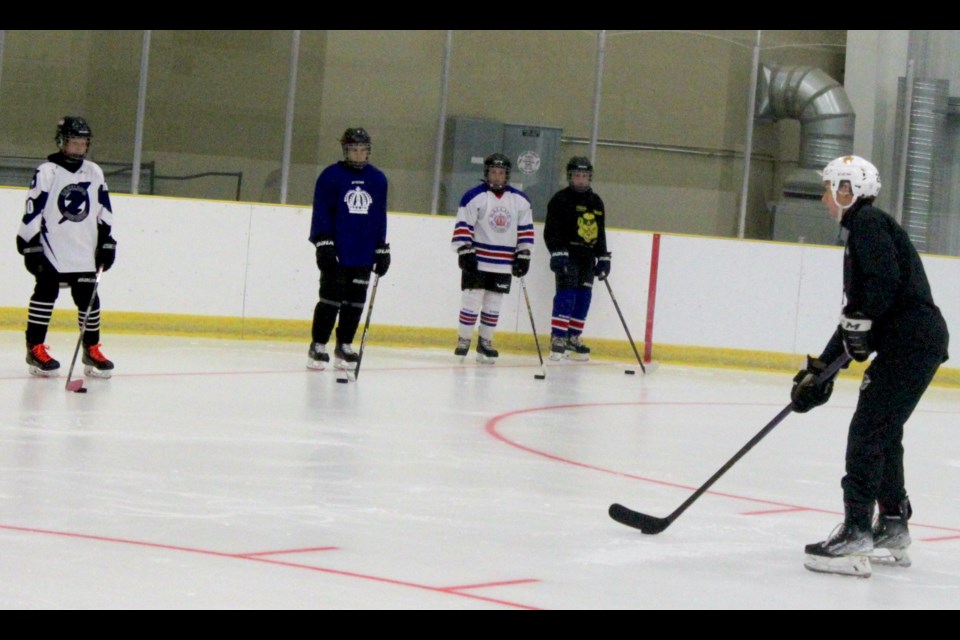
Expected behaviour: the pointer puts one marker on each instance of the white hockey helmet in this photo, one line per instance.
(864, 178)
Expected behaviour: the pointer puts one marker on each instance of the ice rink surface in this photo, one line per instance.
(217, 474)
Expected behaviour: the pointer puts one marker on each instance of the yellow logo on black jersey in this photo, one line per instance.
(587, 228)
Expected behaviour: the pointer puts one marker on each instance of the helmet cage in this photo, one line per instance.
(498, 161)
(355, 138)
(864, 178)
(70, 127)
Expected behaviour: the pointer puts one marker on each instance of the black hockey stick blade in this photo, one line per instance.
(653, 525)
(646, 524)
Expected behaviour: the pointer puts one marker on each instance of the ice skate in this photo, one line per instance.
(41, 363)
(891, 537)
(95, 363)
(845, 552)
(344, 357)
(576, 350)
(558, 347)
(486, 354)
(463, 348)
(317, 356)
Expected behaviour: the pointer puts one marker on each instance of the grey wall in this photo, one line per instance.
(672, 121)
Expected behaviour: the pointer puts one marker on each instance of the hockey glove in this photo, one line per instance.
(382, 265)
(326, 254)
(34, 260)
(467, 259)
(602, 268)
(559, 261)
(106, 253)
(521, 263)
(806, 393)
(855, 330)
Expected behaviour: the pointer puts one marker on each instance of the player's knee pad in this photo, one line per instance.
(563, 302)
(492, 301)
(471, 300)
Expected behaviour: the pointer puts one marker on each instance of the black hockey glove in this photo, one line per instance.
(467, 259)
(521, 263)
(855, 331)
(106, 253)
(34, 260)
(559, 261)
(382, 264)
(326, 254)
(806, 394)
(602, 268)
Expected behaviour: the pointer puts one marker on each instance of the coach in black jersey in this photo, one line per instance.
(889, 312)
(65, 237)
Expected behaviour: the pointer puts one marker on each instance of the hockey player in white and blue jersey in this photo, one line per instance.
(349, 230)
(65, 237)
(493, 238)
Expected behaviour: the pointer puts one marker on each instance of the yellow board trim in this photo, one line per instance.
(232, 328)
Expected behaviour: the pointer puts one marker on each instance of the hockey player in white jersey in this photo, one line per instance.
(65, 237)
(493, 238)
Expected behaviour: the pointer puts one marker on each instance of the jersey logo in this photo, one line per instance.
(74, 202)
(358, 201)
(587, 228)
(865, 382)
(500, 219)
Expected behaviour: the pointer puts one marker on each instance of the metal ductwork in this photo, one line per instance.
(923, 189)
(827, 121)
(826, 118)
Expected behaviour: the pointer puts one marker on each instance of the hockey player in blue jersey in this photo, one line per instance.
(349, 230)
(65, 237)
(493, 238)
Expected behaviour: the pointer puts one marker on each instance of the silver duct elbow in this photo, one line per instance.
(826, 118)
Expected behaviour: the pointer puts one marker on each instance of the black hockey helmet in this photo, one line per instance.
(355, 136)
(71, 127)
(579, 163)
(496, 160)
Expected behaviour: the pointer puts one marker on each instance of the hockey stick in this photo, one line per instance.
(606, 281)
(652, 525)
(77, 385)
(366, 326)
(543, 372)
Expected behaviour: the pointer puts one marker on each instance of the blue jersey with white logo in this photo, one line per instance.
(350, 206)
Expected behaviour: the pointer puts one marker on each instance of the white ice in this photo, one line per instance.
(216, 474)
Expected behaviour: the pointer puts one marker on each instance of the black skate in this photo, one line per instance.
(317, 356)
(344, 357)
(463, 348)
(891, 537)
(41, 363)
(576, 350)
(846, 552)
(558, 347)
(95, 363)
(486, 354)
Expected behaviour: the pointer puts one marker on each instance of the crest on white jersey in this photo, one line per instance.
(73, 202)
(500, 219)
(358, 201)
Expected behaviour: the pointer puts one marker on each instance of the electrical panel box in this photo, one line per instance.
(533, 150)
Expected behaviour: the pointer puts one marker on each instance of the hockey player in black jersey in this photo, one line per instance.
(349, 231)
(65, 237)
(575, 234)
(889, 311)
